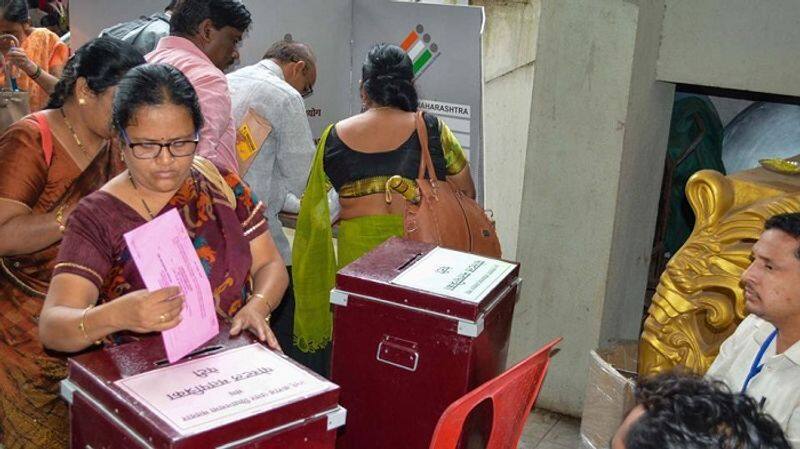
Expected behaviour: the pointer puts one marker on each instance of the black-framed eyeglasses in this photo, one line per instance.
(309, 90)
(152, 150)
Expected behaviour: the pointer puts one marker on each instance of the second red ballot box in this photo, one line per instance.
(232, 393)
(415, 328)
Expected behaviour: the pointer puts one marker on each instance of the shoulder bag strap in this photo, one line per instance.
(425, 163)
(212, 174)
(47, 137)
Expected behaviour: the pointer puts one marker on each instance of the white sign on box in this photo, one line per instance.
(212, 391)
(458, 275)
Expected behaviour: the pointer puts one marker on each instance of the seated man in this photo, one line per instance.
(677, 411)
(762, 358)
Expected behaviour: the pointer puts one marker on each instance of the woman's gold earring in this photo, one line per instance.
(122, 157)
(81, 102)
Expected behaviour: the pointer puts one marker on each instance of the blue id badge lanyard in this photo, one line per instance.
(756, 367)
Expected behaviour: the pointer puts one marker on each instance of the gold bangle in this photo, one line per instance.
(37, 73)
(262, 297)
(60, 218)
(82, 327)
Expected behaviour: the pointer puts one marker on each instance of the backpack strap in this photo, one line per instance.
(47, 137)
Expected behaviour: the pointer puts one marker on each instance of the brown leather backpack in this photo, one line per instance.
(444, 216)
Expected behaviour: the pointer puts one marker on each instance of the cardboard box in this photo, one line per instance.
(609, 393)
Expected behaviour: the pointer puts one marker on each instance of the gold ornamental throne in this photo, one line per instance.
(699, 300)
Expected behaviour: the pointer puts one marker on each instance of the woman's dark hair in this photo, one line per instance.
(684, 411)
(153, 85)
(15, 11)
(388, 78)
(102, 62)
(188, 14)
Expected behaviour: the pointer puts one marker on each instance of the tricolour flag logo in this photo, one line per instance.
(420, 49)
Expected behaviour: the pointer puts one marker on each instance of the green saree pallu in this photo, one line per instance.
(314, 259)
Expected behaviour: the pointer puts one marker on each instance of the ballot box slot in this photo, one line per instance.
(410, 261)
(199, 352)
(336, 412)
(69, 386)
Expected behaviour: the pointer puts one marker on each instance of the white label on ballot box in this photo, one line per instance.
(212, 391)
(463, 276)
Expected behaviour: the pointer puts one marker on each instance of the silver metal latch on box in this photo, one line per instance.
(470, 328)
(338, 297)
(337, 418)
(67, 390)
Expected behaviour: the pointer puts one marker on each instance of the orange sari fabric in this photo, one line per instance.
(46, 50)
(31, 413)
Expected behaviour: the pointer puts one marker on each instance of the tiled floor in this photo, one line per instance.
(548, 430)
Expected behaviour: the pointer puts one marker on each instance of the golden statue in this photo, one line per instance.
(699, 300)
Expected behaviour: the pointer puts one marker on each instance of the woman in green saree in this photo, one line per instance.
(356, 157)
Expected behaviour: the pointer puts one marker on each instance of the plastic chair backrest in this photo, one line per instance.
(512, 394)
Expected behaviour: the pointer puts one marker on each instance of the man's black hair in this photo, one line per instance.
(685, 411)
(189, 14)
(788, 223)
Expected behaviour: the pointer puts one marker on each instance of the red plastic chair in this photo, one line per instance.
(512, 393)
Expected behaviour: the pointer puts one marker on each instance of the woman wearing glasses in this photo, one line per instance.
(96, 295)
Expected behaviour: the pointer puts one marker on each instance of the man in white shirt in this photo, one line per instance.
(274, 88)
(762, 358)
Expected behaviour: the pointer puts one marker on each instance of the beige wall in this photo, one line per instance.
(641, 168)
(509, 49)
(602, 74)
(737, 44)
(597, 140)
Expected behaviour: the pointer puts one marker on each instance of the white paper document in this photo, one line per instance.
(165, 257)
(463, 276)
(206, 393)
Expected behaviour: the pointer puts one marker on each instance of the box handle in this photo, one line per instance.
(399, 353)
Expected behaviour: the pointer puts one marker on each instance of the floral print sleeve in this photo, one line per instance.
(249, 208)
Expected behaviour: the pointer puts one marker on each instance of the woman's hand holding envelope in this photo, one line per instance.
(144, 312)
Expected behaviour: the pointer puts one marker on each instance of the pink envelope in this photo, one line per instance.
(165, 257)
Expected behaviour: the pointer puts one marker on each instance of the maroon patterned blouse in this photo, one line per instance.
(94, 247)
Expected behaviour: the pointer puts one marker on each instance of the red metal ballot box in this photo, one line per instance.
(415, 328)
(232, 393)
